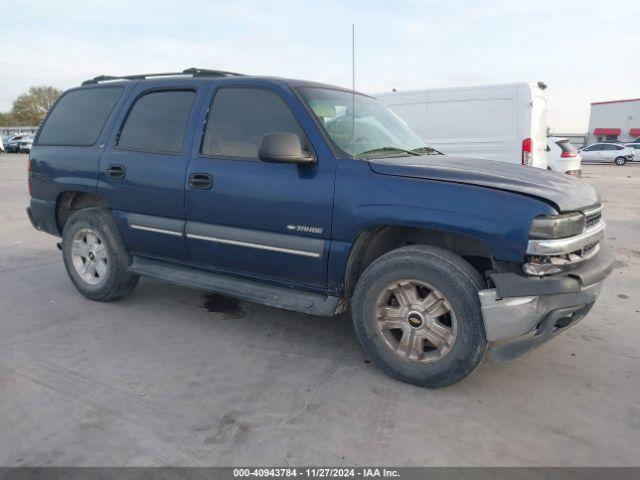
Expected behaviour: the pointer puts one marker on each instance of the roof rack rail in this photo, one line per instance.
(194, 72)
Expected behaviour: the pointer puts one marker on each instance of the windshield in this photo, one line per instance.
(378, 131)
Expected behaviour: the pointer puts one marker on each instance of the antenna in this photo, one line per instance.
(353, 89)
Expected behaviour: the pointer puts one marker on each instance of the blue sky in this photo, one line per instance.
(584, 50)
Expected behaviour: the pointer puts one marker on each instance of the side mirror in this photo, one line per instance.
(283, 147)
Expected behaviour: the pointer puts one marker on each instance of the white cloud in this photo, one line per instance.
(403, 44)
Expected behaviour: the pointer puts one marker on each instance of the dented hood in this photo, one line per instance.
(565, 192)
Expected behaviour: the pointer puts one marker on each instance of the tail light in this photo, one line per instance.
(568, 155)
(527, 152)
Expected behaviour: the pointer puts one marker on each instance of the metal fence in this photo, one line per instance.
(18, 129)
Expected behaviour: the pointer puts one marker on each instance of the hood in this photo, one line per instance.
(565, 192)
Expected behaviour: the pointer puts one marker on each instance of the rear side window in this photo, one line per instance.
(240, 117)
(567, 146)
(79, 116)
(158, 122)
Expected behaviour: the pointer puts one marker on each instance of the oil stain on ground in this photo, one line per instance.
(229, 307)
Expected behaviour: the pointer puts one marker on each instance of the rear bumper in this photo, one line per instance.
(42, 214)
(31, 219)
(523, 312)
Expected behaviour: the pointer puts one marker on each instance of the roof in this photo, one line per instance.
(538, 85)
(616, 101)
(207, 74)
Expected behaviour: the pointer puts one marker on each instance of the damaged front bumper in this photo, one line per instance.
(523, 312)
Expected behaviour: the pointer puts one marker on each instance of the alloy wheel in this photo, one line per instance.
(89, 256)
(416, 321)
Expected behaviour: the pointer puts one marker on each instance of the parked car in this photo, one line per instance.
(636, 150)
(607, 152)
(25, 143)
(313, 198)
(16, 142)
(2, 150)
(563, 156)
(506, 123)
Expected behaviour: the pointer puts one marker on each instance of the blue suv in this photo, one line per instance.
(314, 198)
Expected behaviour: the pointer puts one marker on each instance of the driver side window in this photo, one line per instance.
(240, 117)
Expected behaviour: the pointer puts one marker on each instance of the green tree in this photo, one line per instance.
(31, 107)
(6, 119)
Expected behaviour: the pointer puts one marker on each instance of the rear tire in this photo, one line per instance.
(620, 161)
(417, 315)
(95, 255)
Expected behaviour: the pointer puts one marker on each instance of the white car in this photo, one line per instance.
(563, 156)
(607, 152)
(635, 145)
(505, 123)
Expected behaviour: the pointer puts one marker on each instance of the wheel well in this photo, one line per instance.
(375, 242)
(70, 202)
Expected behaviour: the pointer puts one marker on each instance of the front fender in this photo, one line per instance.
(498, 219)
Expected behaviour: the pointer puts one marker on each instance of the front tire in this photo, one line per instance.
(95, 255)
(620, 161)
(416, 313)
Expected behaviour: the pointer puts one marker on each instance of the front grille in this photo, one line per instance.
(593, 218)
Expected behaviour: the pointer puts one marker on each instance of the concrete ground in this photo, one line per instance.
(172, 376)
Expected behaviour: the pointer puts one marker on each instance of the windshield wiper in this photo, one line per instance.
(427, 150)
(389, 149)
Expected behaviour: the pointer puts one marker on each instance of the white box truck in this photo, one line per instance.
(506, 123)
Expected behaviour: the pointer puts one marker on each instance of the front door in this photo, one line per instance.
(592, 153)
(142, 172)
(252, 218)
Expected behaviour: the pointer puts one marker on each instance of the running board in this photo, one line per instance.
(274, 296)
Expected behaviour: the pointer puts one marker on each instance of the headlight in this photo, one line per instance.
(557, 226)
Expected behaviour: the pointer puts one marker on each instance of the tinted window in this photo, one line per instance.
(158, 122)
(240, 117)
(78, 117)
(567, 146)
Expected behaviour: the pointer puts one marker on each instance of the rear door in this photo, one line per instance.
(142, 171)
(475, 122)
(263, 220)
(610, 152)
(538, 111)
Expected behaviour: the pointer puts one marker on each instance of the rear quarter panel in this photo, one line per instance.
(54, 170)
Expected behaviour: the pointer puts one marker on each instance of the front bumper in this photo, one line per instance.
(523, 312)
